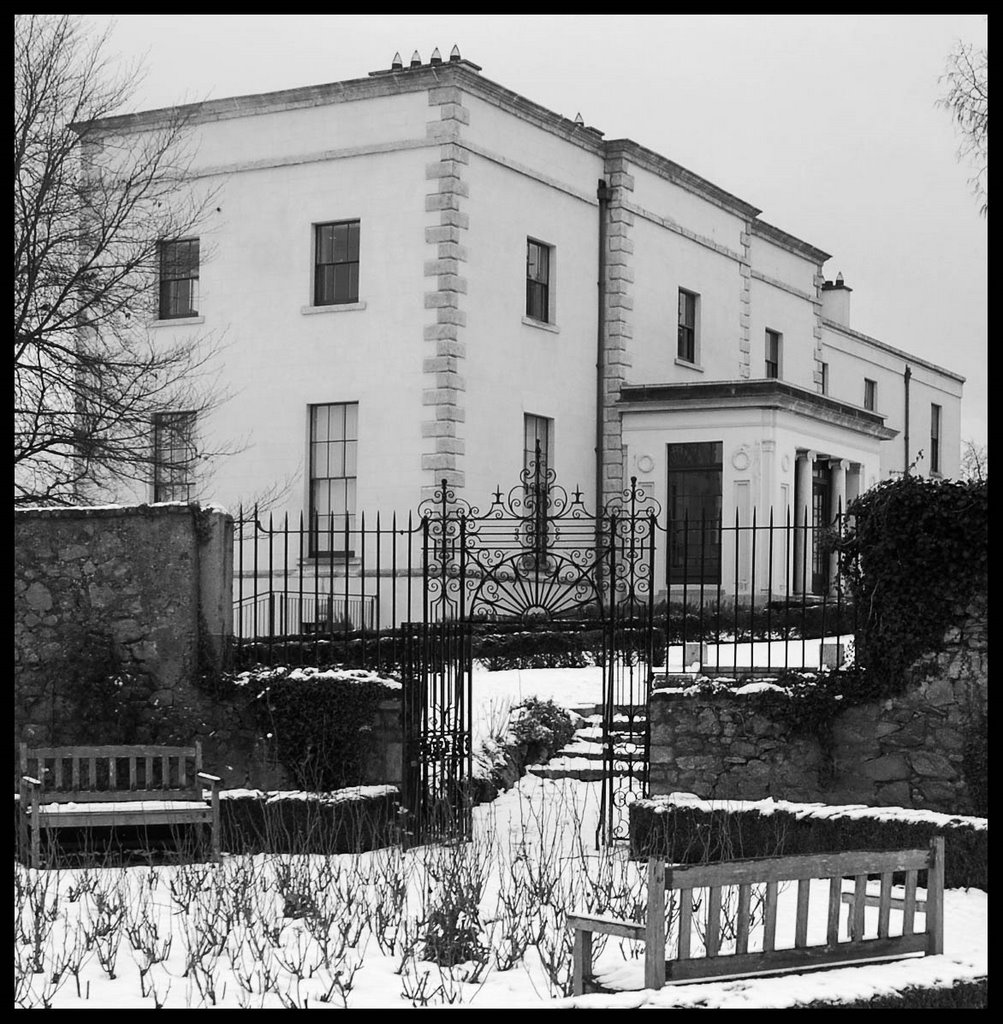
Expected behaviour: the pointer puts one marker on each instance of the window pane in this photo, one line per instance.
(340, 243)
(325, 243)
(341, 282)
(351, 451)
(351, 420)
(318, 422)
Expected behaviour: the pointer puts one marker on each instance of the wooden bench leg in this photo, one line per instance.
(35, 844)
(582, 961)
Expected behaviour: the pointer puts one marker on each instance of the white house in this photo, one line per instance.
(404, 268)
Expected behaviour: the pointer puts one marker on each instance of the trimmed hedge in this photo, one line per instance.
(307, 823)
(692, 834)
(256, 822)
(562, 643)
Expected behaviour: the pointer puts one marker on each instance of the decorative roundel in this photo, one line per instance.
(785, 463)
(740, 459)
(645, 463)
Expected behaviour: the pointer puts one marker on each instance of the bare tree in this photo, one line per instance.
(967, 99)
(93, 200)
(974, 461)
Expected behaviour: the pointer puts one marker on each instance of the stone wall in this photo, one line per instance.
(139, 594)
(904, 752)
(117, 614)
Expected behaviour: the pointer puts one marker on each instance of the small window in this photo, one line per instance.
(870, 394)
(334, 442)
(179, 279)
(934, 438)
(825, 378)
(687, 341)
(538, 281)
(173, 456)
(772, 354)
(336, 263)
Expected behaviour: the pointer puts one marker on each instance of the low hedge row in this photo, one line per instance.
(689, 834)
(563, 643)
(255, 822)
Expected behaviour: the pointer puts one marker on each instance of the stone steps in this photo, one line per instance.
(583, 757)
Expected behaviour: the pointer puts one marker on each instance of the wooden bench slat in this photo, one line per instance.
(885, 905)
(57, 772)
(856, 921)
(787, 959)
(112, 772)
(165, 771)
(685, 922)
(780, 869)
(148, 777)
(111, 750)
(85, 796)
(744, 917)
(909, 903)
(75, 773)
(801, 922)
(832, 921)
(132, 773)
(92, 778)
(713, 933)
(770, 917)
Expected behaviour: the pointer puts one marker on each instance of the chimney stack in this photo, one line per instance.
(836, 301)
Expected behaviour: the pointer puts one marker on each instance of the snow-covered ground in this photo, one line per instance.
(357, 930)
(225, 937)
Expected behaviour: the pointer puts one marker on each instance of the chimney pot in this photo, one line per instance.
(397, 64)
(579, 119)
(454, 53)
(415, 60)
(436, 57)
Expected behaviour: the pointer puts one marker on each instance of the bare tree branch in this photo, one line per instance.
(967, 100)
(91, 206)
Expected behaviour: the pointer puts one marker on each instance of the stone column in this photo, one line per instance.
(802, 516)
(837, 469)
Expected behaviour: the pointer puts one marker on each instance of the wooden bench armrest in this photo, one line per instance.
(214, 779)
(31, 781)
(606, 925)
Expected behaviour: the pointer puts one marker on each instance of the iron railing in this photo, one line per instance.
(747, 596)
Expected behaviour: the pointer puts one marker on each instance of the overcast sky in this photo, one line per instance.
(828, 124)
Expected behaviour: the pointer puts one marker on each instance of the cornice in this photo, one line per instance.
(759, 394)
(906, 356)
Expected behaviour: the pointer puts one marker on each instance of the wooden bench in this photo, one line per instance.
(681, 880)
(79, 787)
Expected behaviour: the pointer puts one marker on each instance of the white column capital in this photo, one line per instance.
(806, 456)
(843, 464)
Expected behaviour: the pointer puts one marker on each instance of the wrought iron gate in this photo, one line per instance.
(537, 554)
